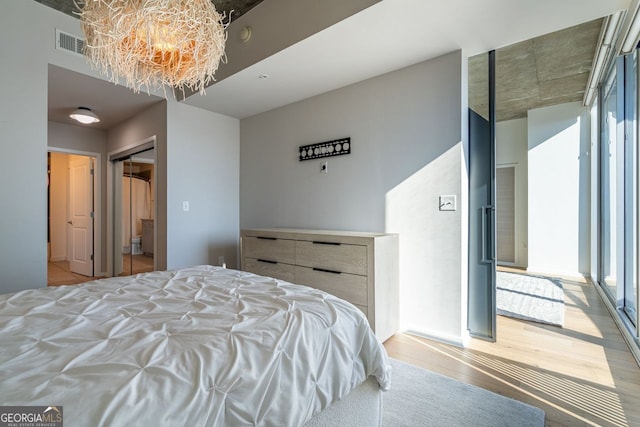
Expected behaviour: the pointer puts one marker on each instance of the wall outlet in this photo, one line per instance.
(185, 206)
(221, 262)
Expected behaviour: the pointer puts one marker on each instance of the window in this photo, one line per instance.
(608, 185)
(619, 187)
(630, 182)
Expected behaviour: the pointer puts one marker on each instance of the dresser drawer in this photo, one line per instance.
(270, 249)
(276, 270)
(343, 258)
(350, 287)
(341, 263)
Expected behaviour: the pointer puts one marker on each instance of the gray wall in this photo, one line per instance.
(23, 136)
(148, 123)
(408, 139)
(202, 168)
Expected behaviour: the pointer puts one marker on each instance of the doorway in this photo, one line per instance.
(541, 155)
(71, 218)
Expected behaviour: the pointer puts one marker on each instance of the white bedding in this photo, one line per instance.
(200, 346)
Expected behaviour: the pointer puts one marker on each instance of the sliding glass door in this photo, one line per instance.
(630, 182)
(619, 187)
(609, 188)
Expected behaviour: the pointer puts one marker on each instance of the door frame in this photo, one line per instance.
(98, 268)
(481, 272)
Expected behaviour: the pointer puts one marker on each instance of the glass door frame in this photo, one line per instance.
(630, 188)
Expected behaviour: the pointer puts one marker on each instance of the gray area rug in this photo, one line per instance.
(422, 398)
(527, 297)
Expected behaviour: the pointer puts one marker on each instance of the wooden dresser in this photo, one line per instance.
(361, 268)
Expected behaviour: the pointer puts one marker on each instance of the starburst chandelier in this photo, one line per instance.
(154, 43)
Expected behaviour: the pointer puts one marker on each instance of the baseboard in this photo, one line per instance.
(57, 259)
(458, 341)
(632, 342)
(512, 265)
(571, 275)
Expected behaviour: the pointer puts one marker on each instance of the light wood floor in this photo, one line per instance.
(58, 272)
(581, 375)
(134, 264)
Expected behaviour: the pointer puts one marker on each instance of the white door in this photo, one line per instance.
(81, 215)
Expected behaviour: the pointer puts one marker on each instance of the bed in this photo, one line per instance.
(201, 346)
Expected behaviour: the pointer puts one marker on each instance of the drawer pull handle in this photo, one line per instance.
(324, 270)
(316, 242)
(266, 238)
(267, 261)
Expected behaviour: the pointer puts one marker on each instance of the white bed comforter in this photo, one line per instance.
(201, 346)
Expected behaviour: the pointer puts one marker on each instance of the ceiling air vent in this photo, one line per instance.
(69, 43)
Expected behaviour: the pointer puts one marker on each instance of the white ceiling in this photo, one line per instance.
(387, 36)
(68, 90)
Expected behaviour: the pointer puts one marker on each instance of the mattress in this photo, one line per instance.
(202, 346)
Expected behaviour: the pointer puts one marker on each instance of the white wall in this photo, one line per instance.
(512, 150)
(202, 168)
(559, 190)
(407, 138)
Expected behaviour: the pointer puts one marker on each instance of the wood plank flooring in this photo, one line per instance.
(59, 273)
(581, 375)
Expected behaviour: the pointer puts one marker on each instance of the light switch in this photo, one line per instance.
(448, 203)
(185, 206)
(324, 167)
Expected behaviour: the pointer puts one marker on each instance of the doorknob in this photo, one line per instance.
(70, 222)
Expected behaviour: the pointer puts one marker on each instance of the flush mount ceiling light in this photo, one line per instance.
(84, 115)
(153, 43)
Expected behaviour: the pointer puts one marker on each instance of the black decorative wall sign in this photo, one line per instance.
(337, 147)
